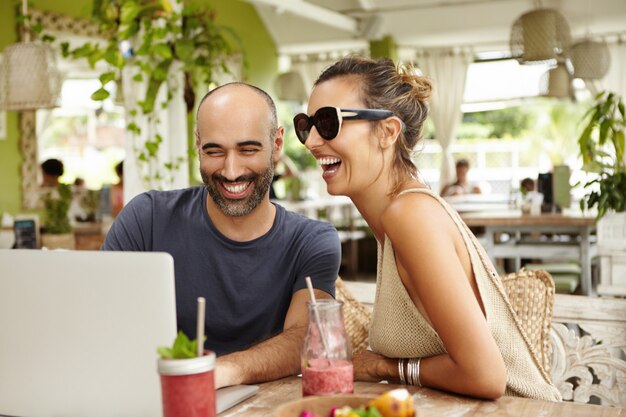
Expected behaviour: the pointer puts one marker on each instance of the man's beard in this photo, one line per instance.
(260, 183)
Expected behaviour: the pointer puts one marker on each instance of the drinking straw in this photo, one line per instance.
(317, 316)
(200, 326)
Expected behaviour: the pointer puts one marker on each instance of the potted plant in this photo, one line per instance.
(602, 149)
(57, 230)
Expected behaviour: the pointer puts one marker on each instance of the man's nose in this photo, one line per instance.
(232, 168)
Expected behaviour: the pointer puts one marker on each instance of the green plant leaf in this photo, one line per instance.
(162, 50)
(107, 77)
(130, 11)
(100, 94)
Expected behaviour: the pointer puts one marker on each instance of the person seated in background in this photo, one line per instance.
(247, 256)
(52, 170)
(461, 185)
(527, 185)
(117, 191)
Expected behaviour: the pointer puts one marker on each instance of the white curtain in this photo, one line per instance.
(156, 173)
(615, 79)
(448, 70)
(311, 66)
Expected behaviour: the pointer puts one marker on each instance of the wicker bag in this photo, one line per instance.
(356, 317)
(531, 294)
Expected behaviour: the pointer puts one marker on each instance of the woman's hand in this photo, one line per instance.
(372, 367)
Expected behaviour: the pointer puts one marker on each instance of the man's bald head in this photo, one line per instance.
(241, 89)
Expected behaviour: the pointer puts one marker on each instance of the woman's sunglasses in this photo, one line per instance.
(327, 120)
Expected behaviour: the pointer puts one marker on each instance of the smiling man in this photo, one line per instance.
(247, 256)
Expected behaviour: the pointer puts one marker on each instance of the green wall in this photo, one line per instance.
(240, 16)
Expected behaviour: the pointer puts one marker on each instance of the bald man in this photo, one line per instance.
(246, 255)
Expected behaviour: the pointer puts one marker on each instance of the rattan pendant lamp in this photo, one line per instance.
(29, 78)
(591, 59)
(557, 82)
(539, 35)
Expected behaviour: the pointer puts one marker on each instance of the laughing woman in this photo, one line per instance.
(440, 317)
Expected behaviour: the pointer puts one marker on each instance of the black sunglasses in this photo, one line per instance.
(327, 120)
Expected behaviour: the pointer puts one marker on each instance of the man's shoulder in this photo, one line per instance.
(301, 221)
(168, 197)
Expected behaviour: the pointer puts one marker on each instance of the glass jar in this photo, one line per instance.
(326, 356)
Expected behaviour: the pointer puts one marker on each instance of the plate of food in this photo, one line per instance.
(393, 403)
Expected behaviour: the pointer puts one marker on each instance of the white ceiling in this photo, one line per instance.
(302, 26)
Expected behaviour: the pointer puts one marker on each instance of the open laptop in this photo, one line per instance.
(79, 332)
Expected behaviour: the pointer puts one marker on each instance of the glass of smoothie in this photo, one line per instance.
(326, 356)
(188, 386)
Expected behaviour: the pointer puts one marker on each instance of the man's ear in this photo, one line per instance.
(278, 141)
(390, 128)
(195, 131)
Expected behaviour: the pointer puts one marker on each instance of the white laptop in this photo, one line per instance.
(79, 332)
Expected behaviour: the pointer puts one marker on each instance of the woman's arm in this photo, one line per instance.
(434, 266)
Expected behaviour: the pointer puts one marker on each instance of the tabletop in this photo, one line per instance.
(429, 403)
(569, 218)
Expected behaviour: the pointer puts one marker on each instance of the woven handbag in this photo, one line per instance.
(356, 317)
(531, 293)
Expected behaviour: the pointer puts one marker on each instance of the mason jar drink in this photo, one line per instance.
(326, 356)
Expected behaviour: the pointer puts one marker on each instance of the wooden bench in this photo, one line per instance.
(588, 339)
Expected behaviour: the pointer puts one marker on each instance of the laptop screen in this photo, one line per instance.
(80, 329)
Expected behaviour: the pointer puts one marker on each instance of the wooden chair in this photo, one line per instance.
(582, 342)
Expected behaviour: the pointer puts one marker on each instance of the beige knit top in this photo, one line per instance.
(399, 330)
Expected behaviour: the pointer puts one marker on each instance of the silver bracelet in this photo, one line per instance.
(413, 371)
(401, 370)
(417, 381)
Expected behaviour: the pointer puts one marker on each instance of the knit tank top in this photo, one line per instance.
(399, 330)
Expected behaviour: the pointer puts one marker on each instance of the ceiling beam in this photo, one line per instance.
(310, 11)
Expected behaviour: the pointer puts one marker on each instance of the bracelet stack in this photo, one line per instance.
(412, 374)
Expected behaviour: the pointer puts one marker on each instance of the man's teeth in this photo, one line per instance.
(236, 188)
(328, 161)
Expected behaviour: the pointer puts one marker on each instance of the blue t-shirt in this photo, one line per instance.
(247, 285)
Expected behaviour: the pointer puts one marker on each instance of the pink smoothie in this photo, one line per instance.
(323, 377)
(188, 395)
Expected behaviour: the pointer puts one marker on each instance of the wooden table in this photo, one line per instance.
(429, 403)
(516, 223)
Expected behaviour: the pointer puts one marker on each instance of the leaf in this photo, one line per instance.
(107, 77)
(182, 348)
(100, 94)
(133, 127)
(162, 50)
(130, 11)
(138, 78)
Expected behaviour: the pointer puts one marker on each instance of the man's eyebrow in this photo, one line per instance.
(210, 145)
(251, 142)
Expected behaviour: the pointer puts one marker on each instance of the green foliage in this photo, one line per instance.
(183, 348)
(502, 123)
(160, 37)
(57, 205)
(601, 146)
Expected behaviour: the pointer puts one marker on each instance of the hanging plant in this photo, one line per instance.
(154, 38)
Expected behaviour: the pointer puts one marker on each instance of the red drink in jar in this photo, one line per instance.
(188, 386)
(326, 357)
(324, 377)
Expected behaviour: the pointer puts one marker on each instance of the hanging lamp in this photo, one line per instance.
(289, 86)
(538, 36)
(29, 78)
(591, 59)
(557, 82)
